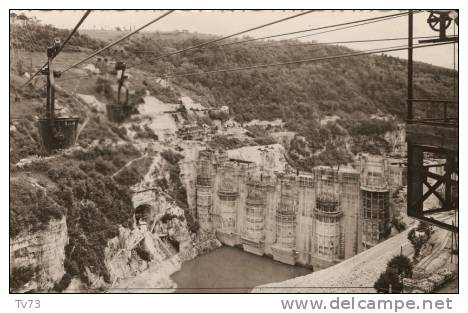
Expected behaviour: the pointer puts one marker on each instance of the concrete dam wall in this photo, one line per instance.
(316, 218)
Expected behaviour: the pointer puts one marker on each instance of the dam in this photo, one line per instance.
(316, 218)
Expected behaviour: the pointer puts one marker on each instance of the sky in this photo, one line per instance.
(228, 22)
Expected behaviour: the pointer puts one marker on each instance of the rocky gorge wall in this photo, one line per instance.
(42, 252)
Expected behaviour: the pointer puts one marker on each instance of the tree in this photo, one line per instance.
(398, 267)
(402, 265)
(22, 17)
(386, 281)
(418, 237)
(21, 275)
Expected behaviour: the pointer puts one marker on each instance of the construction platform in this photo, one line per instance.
(433, 134)
(228, 238)
(253, 246)
(283, 254)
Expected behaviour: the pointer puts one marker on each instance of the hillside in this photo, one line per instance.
(364, 97)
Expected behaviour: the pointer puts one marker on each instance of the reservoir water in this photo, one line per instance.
(230, 269)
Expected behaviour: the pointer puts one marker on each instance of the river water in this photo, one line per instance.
(230, 269)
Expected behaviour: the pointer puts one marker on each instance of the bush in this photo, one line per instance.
(402, 265)
(192, 224)
(30, 208)
(103, 86)
(387, 279)
(162, 182)
(165, 94)
(128, 177)
(264, 141)
(418, 237)
(145, 133)
(218, 115)
(398, 267)
(399, 224)
(42, 34)
(171, 156)
(24, 141)
(373, 127)
(71, 266)
(177, 189)
(104, 167)
(137, 97)
(225, 143)
(64, 283)
(20, 276)
(143, 254)
(167, 217)
(119, 131)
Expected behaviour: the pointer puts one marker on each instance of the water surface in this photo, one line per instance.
(230, 269)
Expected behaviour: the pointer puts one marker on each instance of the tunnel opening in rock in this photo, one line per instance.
(143, 215)
(172, 244)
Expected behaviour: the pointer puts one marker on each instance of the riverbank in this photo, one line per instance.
(156, 279)
(222, 270)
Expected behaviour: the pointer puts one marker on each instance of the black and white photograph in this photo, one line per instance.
(236, 151)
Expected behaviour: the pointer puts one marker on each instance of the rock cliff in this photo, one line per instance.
(41, 253)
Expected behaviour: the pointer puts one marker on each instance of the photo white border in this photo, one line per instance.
(71, 303)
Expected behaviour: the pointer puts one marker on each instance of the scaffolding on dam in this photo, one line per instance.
(253, 238)
(317, 218)
(228, 198)
(375, 200)
(305, 217)
(350, 206)
(284, 250)
(204, 189)
(329, 237)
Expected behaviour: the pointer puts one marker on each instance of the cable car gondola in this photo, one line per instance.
(56, 132)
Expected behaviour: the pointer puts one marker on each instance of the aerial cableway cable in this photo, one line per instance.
(383, 19)
(332, 57)
(342, 42)
(207, 45)
(116, 42)
(321, 43)
(73, 31)
(223, 38)
(323, 32)
(347, 24)
(365, 52)
(312, 44)
(62, 46)
(366, 21)
(32, 39)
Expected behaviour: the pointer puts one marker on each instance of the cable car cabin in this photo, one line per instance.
(60, 134)
(121, 110)
(118, 113)
(56, 133)
(432, 141)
